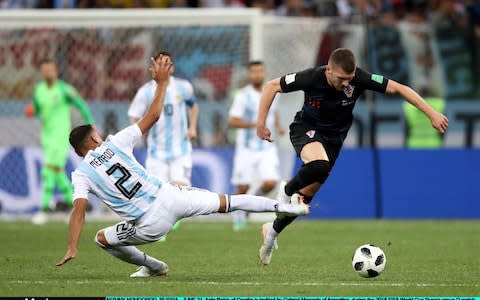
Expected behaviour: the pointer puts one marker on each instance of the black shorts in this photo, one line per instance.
(302, 133)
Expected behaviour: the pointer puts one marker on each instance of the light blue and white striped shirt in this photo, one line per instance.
(168, 138)
(112, 173)
(245, 106)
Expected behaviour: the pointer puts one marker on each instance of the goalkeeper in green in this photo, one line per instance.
(52, 99)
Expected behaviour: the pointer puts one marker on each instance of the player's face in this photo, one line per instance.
(49, 71)
(338, 78)
(169, 60)
(256, 75)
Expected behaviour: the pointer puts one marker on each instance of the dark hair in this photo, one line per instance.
(343, 58)
(166, 53)
(255, 63)
(78, 136)
(47, 61)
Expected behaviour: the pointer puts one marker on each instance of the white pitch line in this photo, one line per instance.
(249, 283)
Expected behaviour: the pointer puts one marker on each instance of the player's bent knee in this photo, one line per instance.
(321, 169)
(100, 239)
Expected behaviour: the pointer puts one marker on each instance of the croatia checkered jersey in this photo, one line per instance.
(245, 106)
(112, 173)
(168, 137)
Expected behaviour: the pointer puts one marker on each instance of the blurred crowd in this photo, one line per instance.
(394, 10)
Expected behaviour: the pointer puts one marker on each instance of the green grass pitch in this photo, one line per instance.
(423, 258)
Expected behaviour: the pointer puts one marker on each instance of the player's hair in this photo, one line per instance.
(255, 63)
(47, 61)
(78, 135)
(343, 58)
(166, 53)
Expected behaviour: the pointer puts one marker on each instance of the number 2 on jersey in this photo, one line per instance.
(125, 176)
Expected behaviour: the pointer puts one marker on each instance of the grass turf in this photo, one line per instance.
(423, 258)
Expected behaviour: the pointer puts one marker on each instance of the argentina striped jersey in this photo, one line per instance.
(112, 173)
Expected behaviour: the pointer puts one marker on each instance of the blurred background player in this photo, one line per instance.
(255, 160)
(169, 147)
(52, 99)
(319, 129)
(419, 133)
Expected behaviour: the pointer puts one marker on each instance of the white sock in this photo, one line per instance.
(252, 203)
(132, 255)
(258, 204)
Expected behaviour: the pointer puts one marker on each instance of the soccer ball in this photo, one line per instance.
(369, 261)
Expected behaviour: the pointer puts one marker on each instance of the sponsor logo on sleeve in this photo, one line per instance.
(290, 78)
(377, 78)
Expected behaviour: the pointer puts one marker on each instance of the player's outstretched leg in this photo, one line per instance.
(148, 266)
(262, 204)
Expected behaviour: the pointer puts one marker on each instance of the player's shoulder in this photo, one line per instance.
(147, 85)
(181, 81)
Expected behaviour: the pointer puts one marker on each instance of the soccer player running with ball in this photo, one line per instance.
(319, 129)
(52, 99)
(148, 206)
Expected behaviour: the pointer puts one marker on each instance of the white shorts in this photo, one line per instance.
(172, 204)
(176, 170)
(249, 164)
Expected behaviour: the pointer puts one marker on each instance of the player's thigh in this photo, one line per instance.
(269, 165)
(157, 168)
(181, 170)
(313, 151)
(243, 166)
(56, 154)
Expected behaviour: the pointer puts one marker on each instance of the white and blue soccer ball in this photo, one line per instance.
(369, 261)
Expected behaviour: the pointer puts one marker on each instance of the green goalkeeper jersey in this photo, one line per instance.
(52, 105)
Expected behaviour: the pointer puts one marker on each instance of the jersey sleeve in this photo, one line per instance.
(139, 105)
(297, 81)
(369, 81)
(188, 95)
(81, 187)
(76, 100)
(237, 110)
(127, 138)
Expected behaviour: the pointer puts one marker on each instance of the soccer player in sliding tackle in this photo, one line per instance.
(319, 129)
(148, 206)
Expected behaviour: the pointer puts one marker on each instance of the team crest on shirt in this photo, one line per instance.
(349, 90)
(310, 133)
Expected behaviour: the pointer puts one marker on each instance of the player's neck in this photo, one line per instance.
(328, 80)
(258, 88)
(51, 83)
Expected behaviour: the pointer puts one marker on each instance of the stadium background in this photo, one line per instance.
(104, 54)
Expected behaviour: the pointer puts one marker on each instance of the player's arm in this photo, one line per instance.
(193, 110)
(77, 101)
(77, 219)
(268, 95)
(32, 109)
(235, 122)
(160, 73)
(439, 120)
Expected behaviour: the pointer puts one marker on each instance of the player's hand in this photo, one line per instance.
(68, 257)
(439, 122)
(29, 110)
(264, 133)
(281, 130)
(161, 69)
(192, 133)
